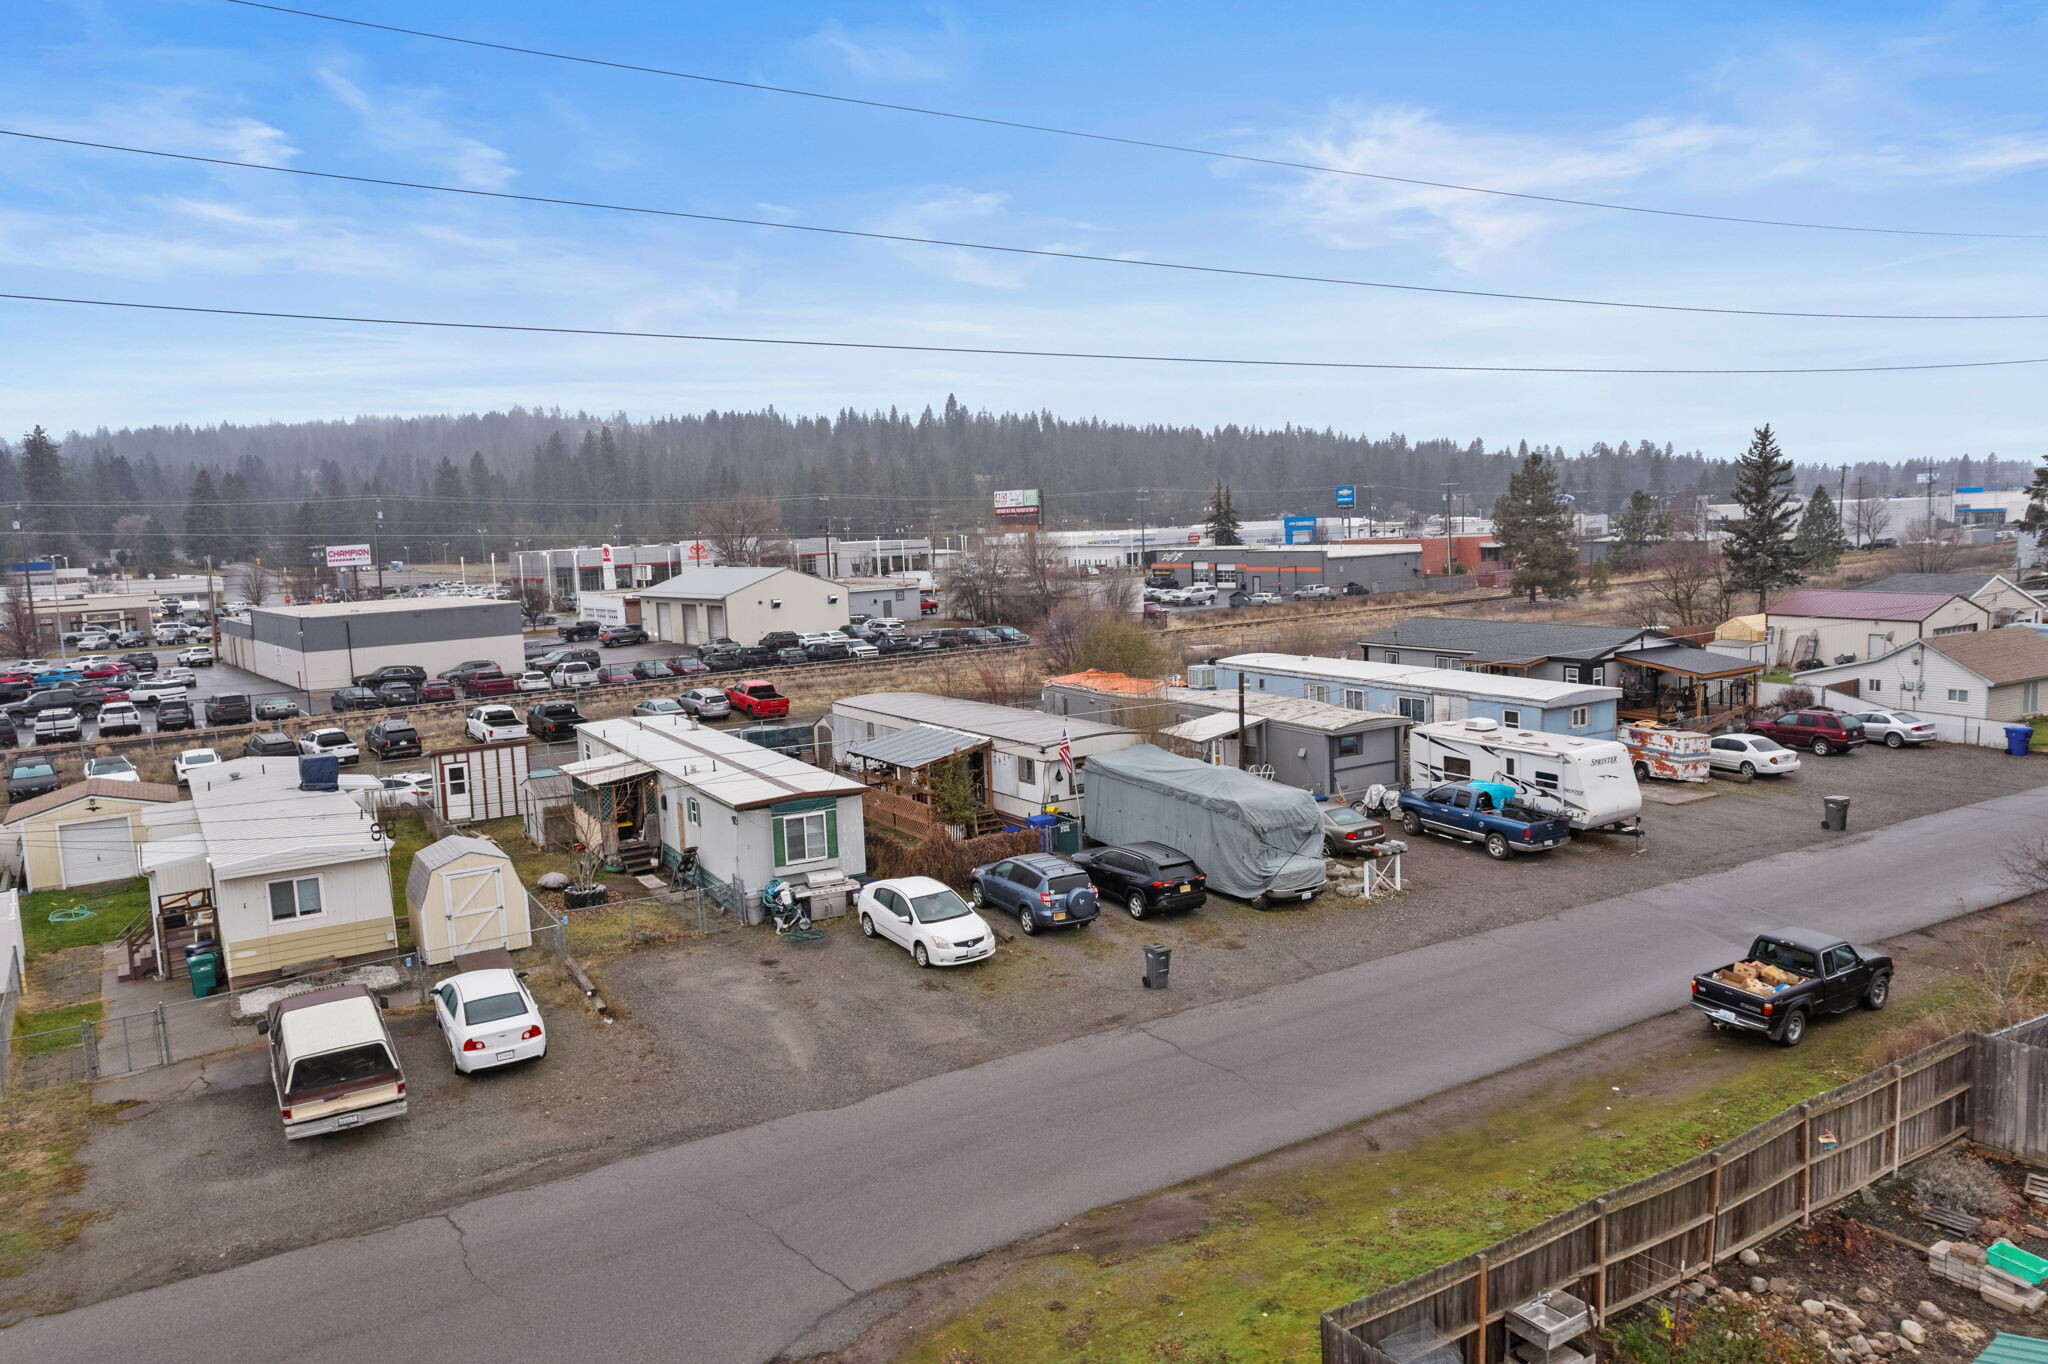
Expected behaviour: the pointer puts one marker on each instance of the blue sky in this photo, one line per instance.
(1899, 115)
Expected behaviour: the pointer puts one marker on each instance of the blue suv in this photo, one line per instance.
(1042, 890)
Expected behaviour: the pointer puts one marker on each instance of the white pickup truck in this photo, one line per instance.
(332, 1062)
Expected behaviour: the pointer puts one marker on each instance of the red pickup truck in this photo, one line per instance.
(1823, 731)
(758, 699)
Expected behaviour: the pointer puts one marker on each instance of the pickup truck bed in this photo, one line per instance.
(1481, 812)
(1789, 978)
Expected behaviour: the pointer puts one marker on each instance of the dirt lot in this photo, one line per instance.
(737, 1028)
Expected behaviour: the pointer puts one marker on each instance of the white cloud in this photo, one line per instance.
(170, 120)
(945, 214)
(895, 55)
(400, 122)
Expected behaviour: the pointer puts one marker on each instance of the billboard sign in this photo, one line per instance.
(348, 556)
(1347, 495)
(1017, 502)
(1298, 530)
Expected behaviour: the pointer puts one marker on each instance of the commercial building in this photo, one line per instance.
(323, 646)
(116, 611)
(898, 597)
(1842, 625)
(1422, 694)
(603, 568)
(1025, 774)
(1369, 566)
(878, 558)
(698, 604)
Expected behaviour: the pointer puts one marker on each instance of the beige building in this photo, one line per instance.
(1840, 624)
(82, 835)
(289, 879)
(463, 896)
(1997, 593)
(697, 604)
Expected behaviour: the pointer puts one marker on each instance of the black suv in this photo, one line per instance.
(554, 720)
(1145, 877)
(825, 652)
(140, 661)
(173, 715)
(356, 698)
(779, 639)
(228, 708)
(272, 745)
(397, 693)
(393, 739)
(612, 636)
(579, 629)
(393, 672)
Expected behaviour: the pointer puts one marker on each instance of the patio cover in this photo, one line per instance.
(1690, 662)
(605, 769)
(915, 747)
(1215, 725)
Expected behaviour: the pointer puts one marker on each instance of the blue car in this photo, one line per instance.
(1042, 890)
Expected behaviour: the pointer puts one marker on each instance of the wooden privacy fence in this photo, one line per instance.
(1634, 1242)
(2013, 1065)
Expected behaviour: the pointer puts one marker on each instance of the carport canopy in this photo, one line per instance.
(916, 747)
(1216, 725)
(1690, 662)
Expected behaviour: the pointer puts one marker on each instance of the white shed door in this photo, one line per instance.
(94, 850)
(476, 909)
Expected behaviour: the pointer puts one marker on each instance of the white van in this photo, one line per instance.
(1587, 781)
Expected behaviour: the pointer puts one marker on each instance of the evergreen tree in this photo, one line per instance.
(45, 488)
(206, 528)
(1819, 540)
(1533, 523)
(238, 518)
(1639, 525)
(1596, 578)
(1222, 521)
(1761, 555)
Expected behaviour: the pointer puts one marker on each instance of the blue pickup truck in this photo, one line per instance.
(1482, 812)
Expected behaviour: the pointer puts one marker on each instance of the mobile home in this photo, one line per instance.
(1589, 781)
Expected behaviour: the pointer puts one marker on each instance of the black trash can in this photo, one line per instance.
(1834, 813)
(1158, 957)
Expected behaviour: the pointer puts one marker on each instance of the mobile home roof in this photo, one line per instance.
(1535, 690)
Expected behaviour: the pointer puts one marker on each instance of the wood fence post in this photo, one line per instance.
(1806, 1164)
(1898, 1107)
(1600, 1260)
(1713, 1209)
(1479, 1312)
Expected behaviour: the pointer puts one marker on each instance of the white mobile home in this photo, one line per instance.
(1025, 772)
(1423, 694)
(1589, 781)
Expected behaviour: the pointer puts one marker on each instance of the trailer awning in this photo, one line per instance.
(1217, 725)
(605, 769)
(1690, 662)
(917, 747)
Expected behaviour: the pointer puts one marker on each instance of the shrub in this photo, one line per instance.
(1795, 698)
(1716, 1331)
(943, 857)
(1956, 1181)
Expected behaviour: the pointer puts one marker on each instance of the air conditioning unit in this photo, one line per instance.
(1201, 677)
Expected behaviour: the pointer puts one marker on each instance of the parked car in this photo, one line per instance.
(437, 689)
(191, 760)
(579, 629)
(184, 677)
(274, 744)
(111, 769)
(612, 636)
(201, 657)
(393, 739)
(409, 788)
(1345, 831)
(1146, 876)
(174, 715)
(686, 665)
(487, 1018)
(119, 717)
(1751, 755)
(141, 661)
(331, 742)
(332, 1065)
(927, 919)
(652, 670)
(730, 661)
(616, 675)
(554, 720)
(531, 681)
(469, 668)
(1821, 731)
(101, 671)
(276, 708)
(780, 639)
(1266, 599)
(29, 778)
(555, 658)
(398, 693)
(1314, 592)
(757, 699)
(392, 672)
(493, 724)
(1789, 978)
(861, 651)
(928, 606)
(355, 698)
(1009, 634)
(792, 657)
(573, 674)
(35, 703)
(884, 625)
(1482, 812)
(658, 705)
(706, 703)
(1041, 889)
(9, 735)
(58, 726)
(229, 708)
(487, 682)
(829, 651)
(1895, 728)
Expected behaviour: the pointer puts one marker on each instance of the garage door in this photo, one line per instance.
(93, 850)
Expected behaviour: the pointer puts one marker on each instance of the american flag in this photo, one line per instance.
(1067, 755)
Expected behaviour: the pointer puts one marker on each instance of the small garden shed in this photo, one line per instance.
(464, 897)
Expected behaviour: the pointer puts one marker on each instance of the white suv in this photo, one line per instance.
(330, 743)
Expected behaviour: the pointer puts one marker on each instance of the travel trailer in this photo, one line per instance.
(1588, 781)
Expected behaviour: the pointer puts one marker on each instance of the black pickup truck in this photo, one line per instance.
(1789, 978)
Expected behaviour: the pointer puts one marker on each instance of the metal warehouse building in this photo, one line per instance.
(1283, 568)
(320, 647)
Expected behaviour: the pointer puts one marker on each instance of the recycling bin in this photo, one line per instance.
(204, 968)
(2018, 739)
(1158, 958)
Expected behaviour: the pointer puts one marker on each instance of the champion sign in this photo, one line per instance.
(348, 556)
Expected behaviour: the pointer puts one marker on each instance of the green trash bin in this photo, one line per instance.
(205, 969)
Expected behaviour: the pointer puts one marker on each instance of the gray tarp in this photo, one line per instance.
(1251, 836)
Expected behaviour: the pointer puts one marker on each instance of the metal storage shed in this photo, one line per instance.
(464, 897)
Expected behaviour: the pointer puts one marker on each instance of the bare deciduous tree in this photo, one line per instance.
(1866, 519)
(1688, 585)
(535, 599)
(1007, 582)
(23, 634)
(744, 531)
(1928, 548)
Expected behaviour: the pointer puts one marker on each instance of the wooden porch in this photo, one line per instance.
(154, 943)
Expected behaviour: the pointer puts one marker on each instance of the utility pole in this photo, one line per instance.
(1240, 720)
(1449, 551)
(377, 551)
(1371, 530)
(1143, 496)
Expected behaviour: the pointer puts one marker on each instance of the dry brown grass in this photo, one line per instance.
(40, 1133)
(2003, 980)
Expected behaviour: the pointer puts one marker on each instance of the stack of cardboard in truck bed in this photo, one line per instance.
(1757, 977)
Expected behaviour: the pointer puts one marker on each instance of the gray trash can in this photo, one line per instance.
(1834, 812)
(1158, 957)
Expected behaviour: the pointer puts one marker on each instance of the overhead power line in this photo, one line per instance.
(1046, 252)
(1210, 152)
(1014, 352)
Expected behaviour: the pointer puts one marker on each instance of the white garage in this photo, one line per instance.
(93, 850)
(85, 834)
(463, 896)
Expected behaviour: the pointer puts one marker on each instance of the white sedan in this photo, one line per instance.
(1751, 755)
(407, 788)
(1267, 599)
(191, 758)
(926, 918)
(488, 1019)
(1896, 728)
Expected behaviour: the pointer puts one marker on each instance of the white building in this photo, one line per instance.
(1025, 773)
(1971, 685)
(698, 604)
(1832, 623)
(898, 597)
(322, 646)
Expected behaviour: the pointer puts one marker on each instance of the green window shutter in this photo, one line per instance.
(781, 848)
(831, 833)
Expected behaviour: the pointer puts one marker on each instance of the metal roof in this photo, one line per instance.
(440, 854)
(1851, 604)
(101, 787)
(715, 763)
(1291, 710)
(1683, 658)
(694, 583)
(1507, 641)
(604, 769)
(1215, 725)
(1536, 690)
(255, 820)
(977, 717)
(918, 746)
(382, 606)
(2007, 1348)
(1944, 584)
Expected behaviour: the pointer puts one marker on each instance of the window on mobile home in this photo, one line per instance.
(1413, 708)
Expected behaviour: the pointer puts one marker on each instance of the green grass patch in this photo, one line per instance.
(113, 906)
(49, 1020)
(1250, 1285)
(40, 1133)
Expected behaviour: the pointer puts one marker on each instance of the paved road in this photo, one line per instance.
(727, 1249)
